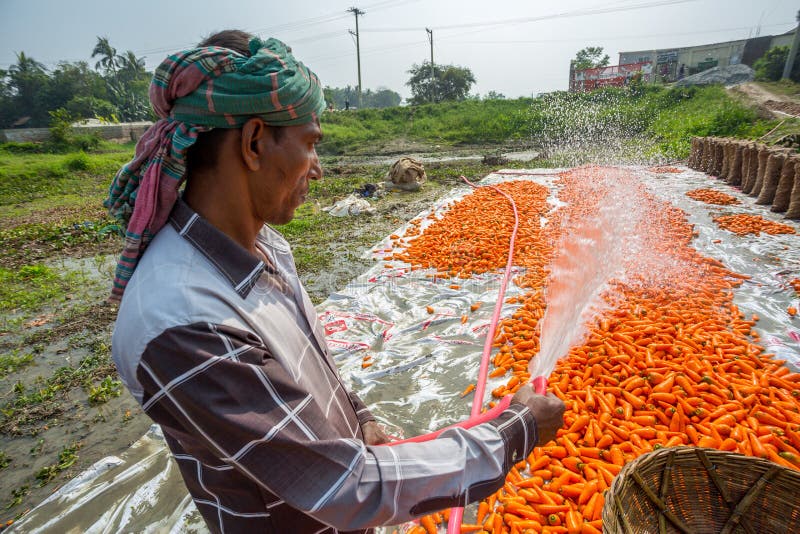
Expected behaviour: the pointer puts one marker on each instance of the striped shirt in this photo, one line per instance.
(226, 353)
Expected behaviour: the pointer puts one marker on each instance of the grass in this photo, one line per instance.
(784, 127)
(707, 112)
(13, 362)
(669, 117)
(106, 390)
(26, 177)
(449, 123)
(66, 459)
(52, 202)
(5, 461)
(33, 403)
(30, 287)
(17, 496)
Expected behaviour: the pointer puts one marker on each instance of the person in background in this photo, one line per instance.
(218, 340)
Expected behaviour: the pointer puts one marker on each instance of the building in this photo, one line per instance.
(671, 64)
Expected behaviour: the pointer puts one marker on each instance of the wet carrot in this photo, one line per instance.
(429, 524)
(670, 363)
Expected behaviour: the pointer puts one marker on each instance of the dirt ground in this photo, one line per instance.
(64, 409)
(779, 105)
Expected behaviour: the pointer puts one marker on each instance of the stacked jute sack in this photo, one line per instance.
(771, 174)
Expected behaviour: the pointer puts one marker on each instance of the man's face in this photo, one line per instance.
(289, 164)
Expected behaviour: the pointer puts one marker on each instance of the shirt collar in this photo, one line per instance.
(240, 268)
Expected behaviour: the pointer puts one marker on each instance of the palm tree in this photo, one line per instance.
(108, 55)
(130, 66)
(27, 79)
(25, 66)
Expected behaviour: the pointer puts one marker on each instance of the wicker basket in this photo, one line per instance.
(689, 489)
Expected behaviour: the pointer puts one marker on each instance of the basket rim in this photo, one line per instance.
(708, 458)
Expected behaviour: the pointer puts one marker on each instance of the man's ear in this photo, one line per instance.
(253, 145)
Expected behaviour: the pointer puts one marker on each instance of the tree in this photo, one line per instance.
(118, 91)
(70, 81)
(381, 98)
(108, 55)
(385, 98)
(450, 82)
(28, 82)
(6, 100)
(494, 95)
(127, 80)
(591, 57)
(769, 67)
(131, 68)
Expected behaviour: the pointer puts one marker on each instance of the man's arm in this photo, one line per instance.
(220, 385)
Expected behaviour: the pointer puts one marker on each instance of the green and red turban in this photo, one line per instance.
(195, 91)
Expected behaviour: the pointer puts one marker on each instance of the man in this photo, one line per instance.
(217, 339)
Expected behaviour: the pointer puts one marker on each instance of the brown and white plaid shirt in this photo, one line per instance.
(226, 353)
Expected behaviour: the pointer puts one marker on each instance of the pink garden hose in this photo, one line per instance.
(476, 417)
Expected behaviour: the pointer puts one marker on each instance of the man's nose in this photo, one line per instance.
(315, 172)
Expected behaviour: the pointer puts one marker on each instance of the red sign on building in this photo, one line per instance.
(614, 76)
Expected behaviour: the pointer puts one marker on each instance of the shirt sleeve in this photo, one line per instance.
(362, 412)
(220, 386)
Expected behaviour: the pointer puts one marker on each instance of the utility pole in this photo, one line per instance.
(357, 12)
(433, 84)
(787, 69)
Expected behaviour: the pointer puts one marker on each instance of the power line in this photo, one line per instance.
(397, 47)
(288, 27)
(612, 38)
(565, 14)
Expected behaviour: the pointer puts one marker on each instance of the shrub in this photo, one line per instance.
(88, 107)
(769, 68)
(61, 131)
(13, 147)
(77, 162)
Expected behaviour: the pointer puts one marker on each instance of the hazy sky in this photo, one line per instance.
(516, 47)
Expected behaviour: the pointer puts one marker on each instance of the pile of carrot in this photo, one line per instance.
(752, 224)
(473, 235)
(672, 362)
(712, 196)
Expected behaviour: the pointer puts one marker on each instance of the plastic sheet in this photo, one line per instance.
(422, 361)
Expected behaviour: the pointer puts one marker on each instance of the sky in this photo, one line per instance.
(514, 47)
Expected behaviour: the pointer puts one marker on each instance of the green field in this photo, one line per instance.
(668, 118)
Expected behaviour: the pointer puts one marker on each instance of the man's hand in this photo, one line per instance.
(374, 434)
(547, 409)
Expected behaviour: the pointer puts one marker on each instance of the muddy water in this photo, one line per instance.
(422, 361)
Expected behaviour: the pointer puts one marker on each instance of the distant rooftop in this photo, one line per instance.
(720, 43)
